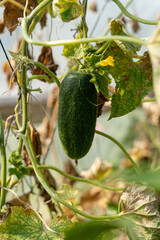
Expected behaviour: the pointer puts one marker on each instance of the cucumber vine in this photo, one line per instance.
(102, 58)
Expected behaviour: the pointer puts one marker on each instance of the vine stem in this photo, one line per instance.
(78, 179)
(126, 13)
(127, 4)
(77, 41)
(3, 164)
(41, 76)
(149, 100)
(122, 148)
(46, 186)
(24, 98)
(38, 64)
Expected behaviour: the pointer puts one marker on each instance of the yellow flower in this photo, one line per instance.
(108, 61)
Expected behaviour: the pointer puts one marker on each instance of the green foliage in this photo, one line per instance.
(19, 169)
(69, 9)
(23, 224)
(116, 28)
(132, 82)
(75, 51)
(94, 230)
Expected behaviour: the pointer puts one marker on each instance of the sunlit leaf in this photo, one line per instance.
(116, 28)
(75, 51)
(69, 9)
(24, 224)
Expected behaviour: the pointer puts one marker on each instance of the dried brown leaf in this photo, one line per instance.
(43, 20)
(2, 26)
(17, 202)
(9, 74)
(35, 139)
(134, 25)
(93, 6)
(94, 199)
(11, 77)
(45, 58)
(12, 14)
(141, 152)
(101, 101)
(141, 204)
(98, 170)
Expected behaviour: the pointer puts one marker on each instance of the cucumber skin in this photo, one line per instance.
(77, 113)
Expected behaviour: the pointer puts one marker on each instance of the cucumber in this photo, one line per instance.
(77, 113)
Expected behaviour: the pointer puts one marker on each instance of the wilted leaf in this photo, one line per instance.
(24, 224)
(94, 201)
(43, 20)
(134, 25)
(67, 192)
(101, 101)
(46, 58)
(16, 202)
(12, 13)
(2, 26)
(69, 9)
(9, 74)
(35, 139)
(141, 204)
(98, 170)
(93, 6)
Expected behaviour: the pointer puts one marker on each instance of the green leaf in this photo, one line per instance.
(75, 51)
(133, 82)
(21, 59)
(19, 172)
(116, 28)
(69, 9)
(141, 203)
(24, 224)
(67, 192)
(94, 230)
(101, 82)
(15, 159)
(19, 169)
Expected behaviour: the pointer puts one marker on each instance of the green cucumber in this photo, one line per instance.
(77, 113)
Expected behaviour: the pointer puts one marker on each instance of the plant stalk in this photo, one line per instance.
(122, 148)
(46, 186)
(3, 164)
